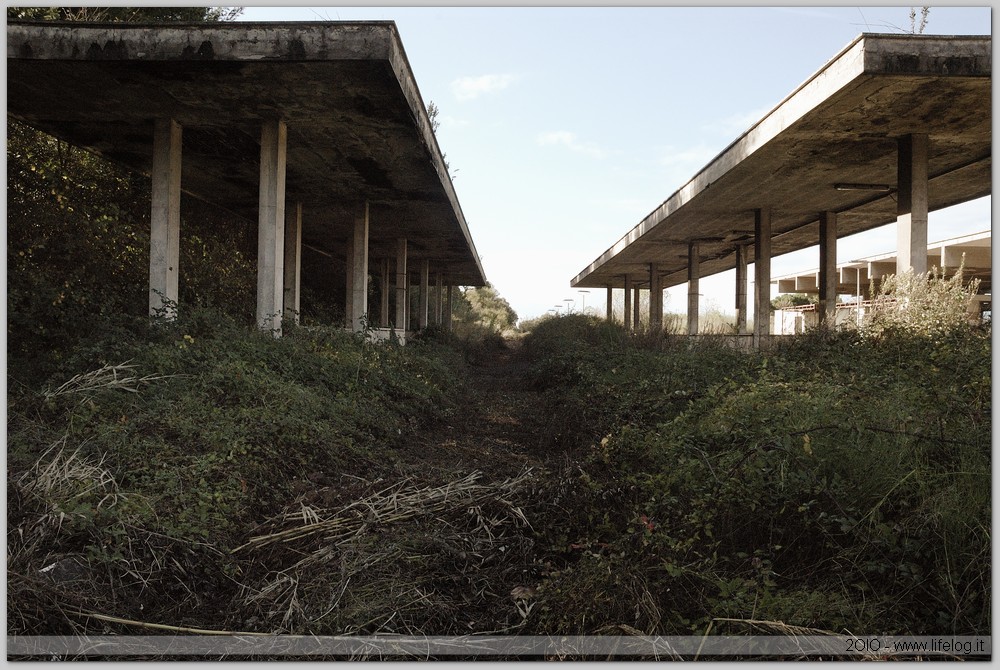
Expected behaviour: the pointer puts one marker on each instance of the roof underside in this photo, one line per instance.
(840, 127)
(357, 127)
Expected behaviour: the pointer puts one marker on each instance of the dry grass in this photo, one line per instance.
(117, 377)
(403, 558)
(59, 479)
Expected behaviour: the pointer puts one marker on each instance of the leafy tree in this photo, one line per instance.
(484, 307)
(124, 14)
(786, 300)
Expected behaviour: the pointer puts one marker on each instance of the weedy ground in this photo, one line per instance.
(197, 475)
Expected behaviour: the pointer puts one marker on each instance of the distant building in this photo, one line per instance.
(856, 278)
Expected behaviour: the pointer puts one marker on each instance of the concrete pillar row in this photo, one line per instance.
(609, 310)
(627, 316)
(828, 270)
(401, 296)
(911, 204)
(694, 275)
(358, 272)
(271, 226)
(425, 281)
(762, 275)
(655, 299)
(292, 280)
(165, 219)
(741, 289)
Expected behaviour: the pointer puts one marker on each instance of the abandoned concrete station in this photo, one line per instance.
(315, 130)
(892, 128)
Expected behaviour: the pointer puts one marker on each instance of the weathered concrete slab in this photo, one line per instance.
(839, 127)
(357, 127)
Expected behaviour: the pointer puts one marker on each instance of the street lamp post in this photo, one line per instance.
(569, 310)
(583, 300)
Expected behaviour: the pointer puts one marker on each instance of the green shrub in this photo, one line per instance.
(839, 482)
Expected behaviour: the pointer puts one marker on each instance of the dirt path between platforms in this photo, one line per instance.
(498, 428)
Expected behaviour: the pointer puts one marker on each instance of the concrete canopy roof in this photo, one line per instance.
(357, 127)
(840, 127)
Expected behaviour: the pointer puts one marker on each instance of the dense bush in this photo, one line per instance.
(177, 439)
(839, 482)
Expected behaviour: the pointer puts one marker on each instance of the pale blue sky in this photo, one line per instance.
(565, 126)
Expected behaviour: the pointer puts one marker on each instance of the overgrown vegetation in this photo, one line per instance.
(839, 482)
(198, 474)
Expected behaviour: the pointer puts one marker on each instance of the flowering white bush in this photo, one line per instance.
(922, 304)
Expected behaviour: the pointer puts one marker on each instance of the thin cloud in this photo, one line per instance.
(736, 124)
(454, 122)
(469, 88)
(692, 157)
(571, 142)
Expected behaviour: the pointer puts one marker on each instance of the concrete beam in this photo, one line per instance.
(694, 274)
(806, 283)
(762, 275)
(741, 289)
(271, 224)
(827, 270)
(165, 219)
(293, 263)
(358, 271)
(655, 299)
(401, 296)
(425, 289)
(912, 204)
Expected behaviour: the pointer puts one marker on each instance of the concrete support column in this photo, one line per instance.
(609, 310)
(694, 274)
(439, 301)
(349, 281)
(383, 320)
(655, 299)
(627, 316)
(911, 204)
(447, 309)
(271, 224)
(425, 289)
(401, 296)
(828, 270)
(635, 309)
(741, 289)
(358, 272)
(293, 263)
(761, 275)
(165, 219)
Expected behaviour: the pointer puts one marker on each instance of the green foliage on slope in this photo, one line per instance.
(837, 482)
(176, 440)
